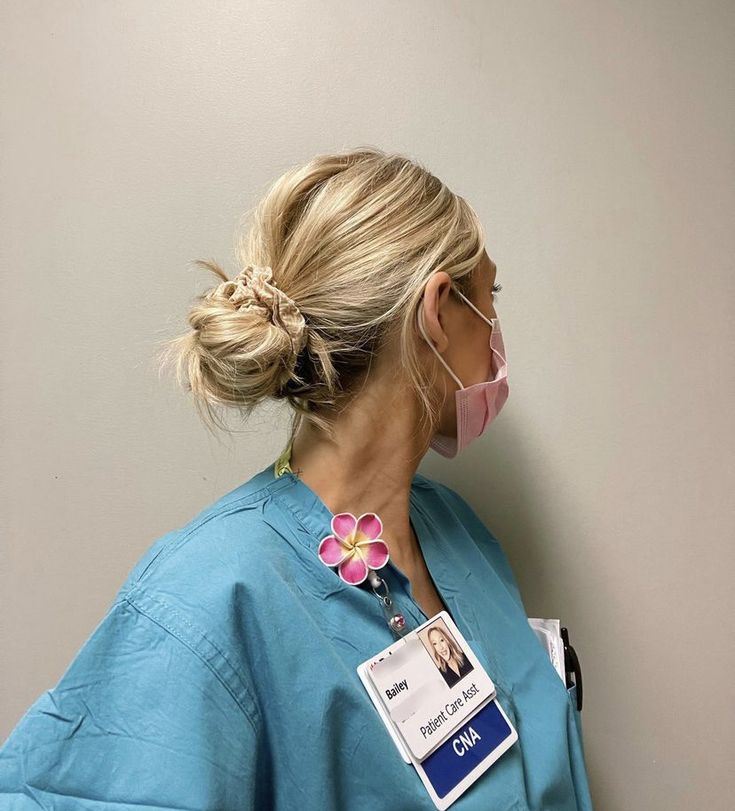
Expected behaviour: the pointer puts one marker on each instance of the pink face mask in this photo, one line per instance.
(479, 404)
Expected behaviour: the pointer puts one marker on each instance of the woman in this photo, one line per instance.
(450, 660)
(224, 674)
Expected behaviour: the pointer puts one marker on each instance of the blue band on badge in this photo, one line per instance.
(466, 749)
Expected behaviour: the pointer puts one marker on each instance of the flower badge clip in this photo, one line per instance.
(354, 547)
(357, 550)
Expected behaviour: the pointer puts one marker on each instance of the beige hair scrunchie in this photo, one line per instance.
(253, 288)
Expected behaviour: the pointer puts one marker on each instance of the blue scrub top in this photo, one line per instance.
(223, 674)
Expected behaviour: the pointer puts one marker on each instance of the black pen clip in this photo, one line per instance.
(570, 657)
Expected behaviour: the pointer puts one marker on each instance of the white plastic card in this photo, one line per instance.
(548, 632)
(439, 706)
(384, 717)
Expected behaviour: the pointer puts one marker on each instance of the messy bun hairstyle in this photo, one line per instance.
(333, 268)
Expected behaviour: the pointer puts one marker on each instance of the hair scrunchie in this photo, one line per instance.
(253, 288)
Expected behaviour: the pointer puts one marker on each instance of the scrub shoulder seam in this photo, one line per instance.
(183, 534)
(193, 638)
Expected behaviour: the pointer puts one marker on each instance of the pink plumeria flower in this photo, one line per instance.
(354, 547)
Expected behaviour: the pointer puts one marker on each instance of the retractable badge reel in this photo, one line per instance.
(356, 548)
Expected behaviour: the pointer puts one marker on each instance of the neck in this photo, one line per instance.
(369, 468)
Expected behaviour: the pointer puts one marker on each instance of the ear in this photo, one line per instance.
(435, 301)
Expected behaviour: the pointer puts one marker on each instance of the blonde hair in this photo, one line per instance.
(343, 245)
(451, 644)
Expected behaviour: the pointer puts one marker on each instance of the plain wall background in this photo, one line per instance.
(595, 140)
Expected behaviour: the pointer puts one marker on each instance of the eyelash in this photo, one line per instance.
(497, 288)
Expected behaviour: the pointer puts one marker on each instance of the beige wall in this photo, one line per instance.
(596, 142)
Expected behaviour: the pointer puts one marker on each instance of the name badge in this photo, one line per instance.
(439, 706)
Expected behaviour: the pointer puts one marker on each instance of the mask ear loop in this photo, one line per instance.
(493, 322)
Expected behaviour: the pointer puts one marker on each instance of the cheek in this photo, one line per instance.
(448, 420)
(480, 362)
